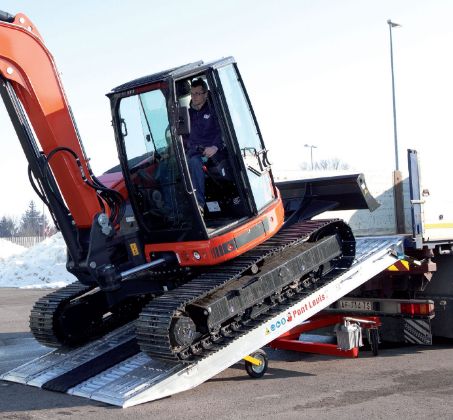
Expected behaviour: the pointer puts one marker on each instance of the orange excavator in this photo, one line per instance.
(138, 243)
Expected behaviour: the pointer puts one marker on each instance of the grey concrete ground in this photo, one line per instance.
(408, 382)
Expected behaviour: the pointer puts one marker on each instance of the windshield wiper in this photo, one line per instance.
(149, 137)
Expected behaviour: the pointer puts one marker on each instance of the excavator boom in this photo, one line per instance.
(28, 69)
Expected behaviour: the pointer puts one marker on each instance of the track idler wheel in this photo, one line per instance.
(182, 331)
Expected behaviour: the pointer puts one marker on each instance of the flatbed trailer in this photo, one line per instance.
(414, 297)
(139, 378)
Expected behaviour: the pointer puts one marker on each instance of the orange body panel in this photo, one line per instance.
(227, 246)
(29, 66)
(115, 181)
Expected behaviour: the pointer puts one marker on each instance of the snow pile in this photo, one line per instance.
(42, 266)
(7, 249)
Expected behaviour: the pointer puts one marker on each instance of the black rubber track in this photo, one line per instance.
(155, 321)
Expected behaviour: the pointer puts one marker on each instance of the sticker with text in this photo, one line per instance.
(295, 313)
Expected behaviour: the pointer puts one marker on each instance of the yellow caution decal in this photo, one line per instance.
(134, 249)
(400, 265)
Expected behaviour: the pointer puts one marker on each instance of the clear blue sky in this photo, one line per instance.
(317, 71)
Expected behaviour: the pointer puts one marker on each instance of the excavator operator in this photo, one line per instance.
(204, 141)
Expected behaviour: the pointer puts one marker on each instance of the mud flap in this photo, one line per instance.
(406, 330)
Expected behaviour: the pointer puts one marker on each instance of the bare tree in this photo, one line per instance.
(332, 164)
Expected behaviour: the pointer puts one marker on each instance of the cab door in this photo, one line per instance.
(243, 129)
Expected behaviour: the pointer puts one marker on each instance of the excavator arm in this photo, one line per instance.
(33, 93)
(84, 210)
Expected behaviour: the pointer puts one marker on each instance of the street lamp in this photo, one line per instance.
(311, 146)
(393, 25)
(397, 176)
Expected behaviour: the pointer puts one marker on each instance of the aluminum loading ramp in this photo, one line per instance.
(140, 379)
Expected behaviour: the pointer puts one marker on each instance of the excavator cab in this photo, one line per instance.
(152, 127)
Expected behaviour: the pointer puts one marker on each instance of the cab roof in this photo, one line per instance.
(173, 73)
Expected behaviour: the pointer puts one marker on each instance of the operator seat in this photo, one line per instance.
(218, 167)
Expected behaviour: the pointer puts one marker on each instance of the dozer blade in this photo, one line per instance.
(307, 198)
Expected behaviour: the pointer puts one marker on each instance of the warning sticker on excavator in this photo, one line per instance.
(134, 249)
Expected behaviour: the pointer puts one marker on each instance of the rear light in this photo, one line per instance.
(417, 308)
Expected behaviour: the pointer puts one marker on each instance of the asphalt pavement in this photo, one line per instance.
(406, 382)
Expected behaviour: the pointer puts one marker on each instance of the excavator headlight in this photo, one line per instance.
(196, 255)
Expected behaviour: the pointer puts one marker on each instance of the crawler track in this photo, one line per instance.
(78, 313)
(156, 324)
(43, 322)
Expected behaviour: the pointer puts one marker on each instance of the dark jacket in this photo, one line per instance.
(204, 130)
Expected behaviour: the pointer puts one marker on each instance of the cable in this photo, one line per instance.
(112, 198)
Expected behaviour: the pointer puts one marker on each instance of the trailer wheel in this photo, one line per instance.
(374, 340)
(257, 371)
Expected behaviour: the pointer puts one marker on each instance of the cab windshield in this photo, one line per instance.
(152, 165)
